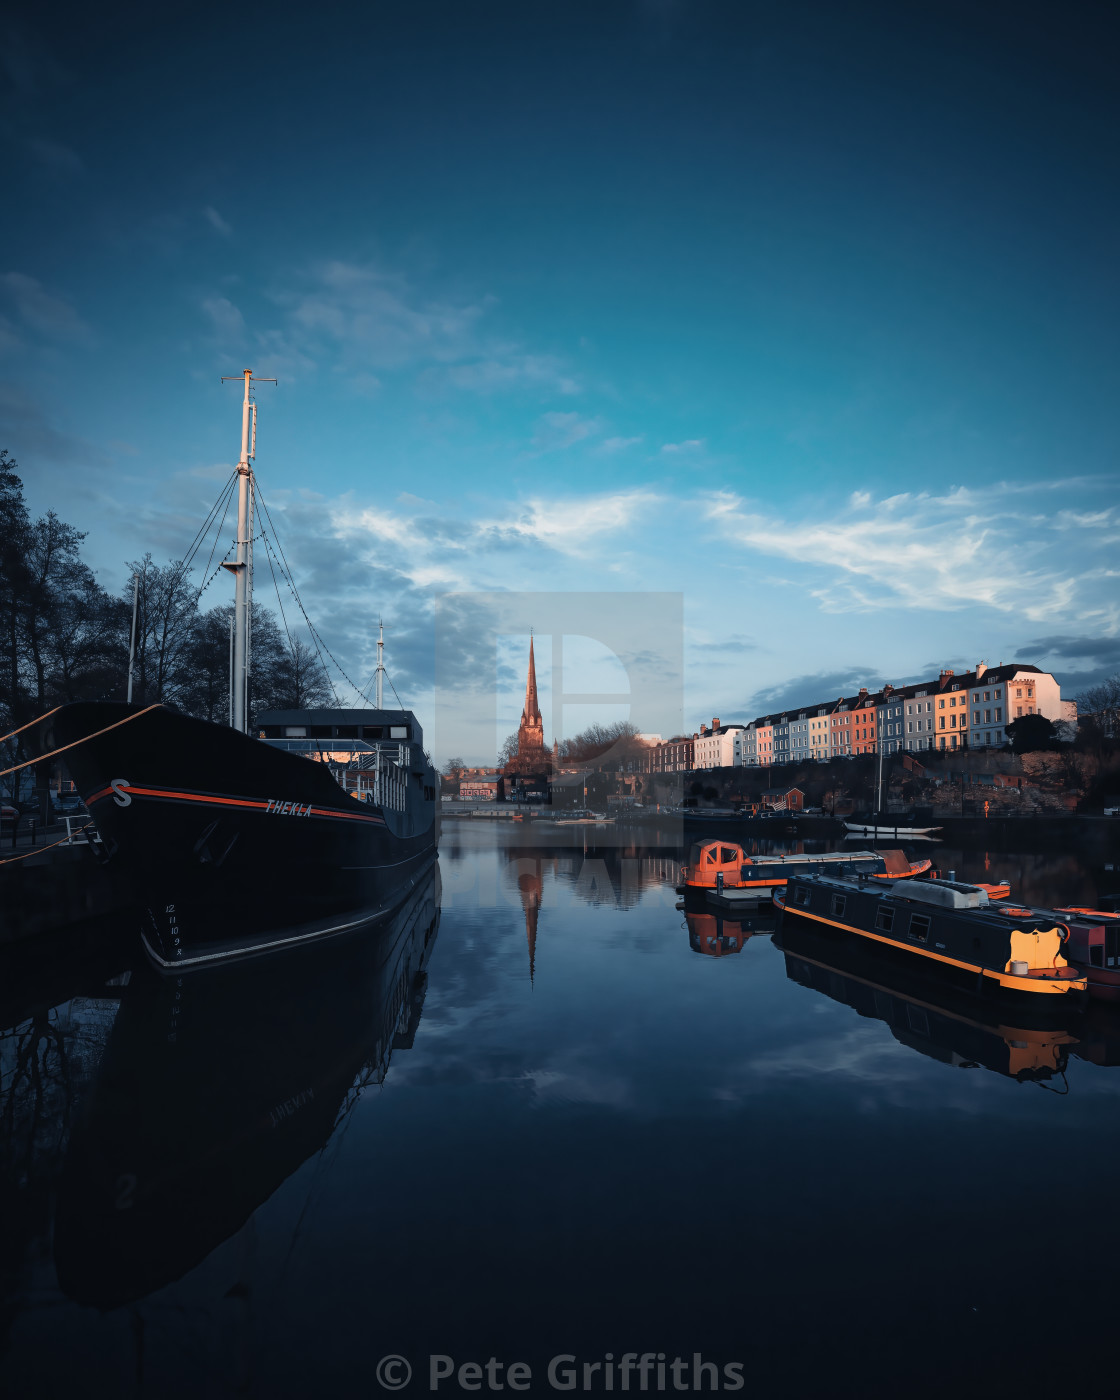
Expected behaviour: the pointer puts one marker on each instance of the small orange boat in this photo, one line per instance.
(722, 865)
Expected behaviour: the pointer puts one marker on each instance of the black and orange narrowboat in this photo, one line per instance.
(948, 927)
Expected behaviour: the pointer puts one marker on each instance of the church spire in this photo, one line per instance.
(532, 709)
(530, 732)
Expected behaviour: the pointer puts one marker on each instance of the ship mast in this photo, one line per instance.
(242, 568)
(379, 692)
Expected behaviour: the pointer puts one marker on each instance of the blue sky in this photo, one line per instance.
(806, 311)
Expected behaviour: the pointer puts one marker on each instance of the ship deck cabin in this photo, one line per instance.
(348, 738)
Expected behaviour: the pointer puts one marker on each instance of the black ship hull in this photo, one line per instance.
(235, 847)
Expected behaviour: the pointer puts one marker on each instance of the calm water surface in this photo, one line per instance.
(540, 1123)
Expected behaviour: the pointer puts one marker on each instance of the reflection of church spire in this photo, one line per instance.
(531, 885)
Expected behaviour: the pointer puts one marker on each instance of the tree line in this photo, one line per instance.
(65, 637)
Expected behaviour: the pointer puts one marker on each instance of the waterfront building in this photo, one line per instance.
(889, 719)
(715, 747)
(675, 755)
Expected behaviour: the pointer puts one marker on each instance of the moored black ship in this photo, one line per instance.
(237, 845)
(240, 840)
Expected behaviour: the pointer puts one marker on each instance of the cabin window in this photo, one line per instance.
(1096, 955)
(710, 857)
(884, 919)
(839, 904)
(726, 855)
(919, 928)
(801, 895)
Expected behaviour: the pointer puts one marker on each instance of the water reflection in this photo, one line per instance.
(215, 1087)
(941, 1024)
(715, 935)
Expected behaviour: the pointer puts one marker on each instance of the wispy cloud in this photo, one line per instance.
(54, 157)
(555, 431)
(216, 222)
(226, 319)
(49, 315)
(934, 553)
(617, 444)
(689, 445)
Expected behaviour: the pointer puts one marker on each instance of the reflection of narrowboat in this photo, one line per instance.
(722, 865)
(215, 1088)
(947, 926)
(922, 1013)
(716, 936)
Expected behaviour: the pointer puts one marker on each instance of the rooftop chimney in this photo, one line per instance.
(703, 729)
(715, 725)
(981, 668)
(943, 679)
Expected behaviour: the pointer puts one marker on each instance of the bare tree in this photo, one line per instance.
(301, 681)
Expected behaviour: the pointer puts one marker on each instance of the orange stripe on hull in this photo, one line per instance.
(251, 804)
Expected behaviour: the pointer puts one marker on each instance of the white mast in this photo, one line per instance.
(242, 569)
(379, 692)
(132, 633)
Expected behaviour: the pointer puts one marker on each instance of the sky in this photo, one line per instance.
(805, 312)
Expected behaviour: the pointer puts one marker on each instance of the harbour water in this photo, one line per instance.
(553, 1124)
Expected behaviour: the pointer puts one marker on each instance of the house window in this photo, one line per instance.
(1018, 711)
(999, 714)
(941, 704)
(1018, 694)
(910, 726)
(952, 721)
(976, 716)
(942, 721)
(996, 694)
(987, 695)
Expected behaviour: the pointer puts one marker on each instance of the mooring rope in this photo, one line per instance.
(28, 725)
(96, 735)
(35, 850)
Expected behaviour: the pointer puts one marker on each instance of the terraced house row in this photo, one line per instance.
(969, 710)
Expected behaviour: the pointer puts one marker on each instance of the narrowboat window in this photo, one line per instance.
(801, 895)
(884, 919)
(710, 856)
(1096, 955)
(839, 903)
(919, 927)
(726, 855)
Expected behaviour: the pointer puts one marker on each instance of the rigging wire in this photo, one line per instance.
(283, 616)
(286, 573)
(217, 537)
